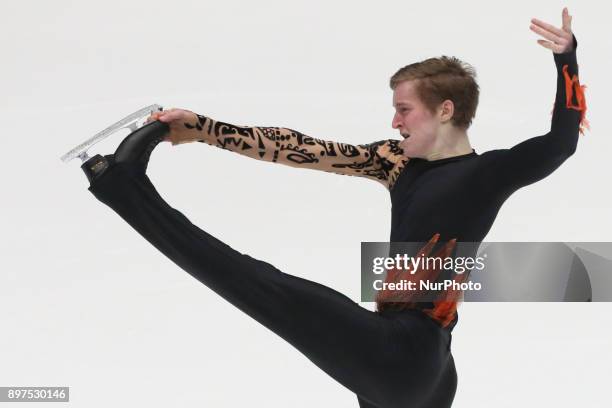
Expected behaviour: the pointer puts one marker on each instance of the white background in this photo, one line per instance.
(86, 302)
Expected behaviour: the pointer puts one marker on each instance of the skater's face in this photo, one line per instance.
(417, 125)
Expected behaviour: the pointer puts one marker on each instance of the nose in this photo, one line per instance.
(396, 122)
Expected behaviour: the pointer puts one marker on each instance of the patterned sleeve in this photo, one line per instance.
(377, 161)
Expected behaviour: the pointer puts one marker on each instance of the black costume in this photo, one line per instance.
(388, 359)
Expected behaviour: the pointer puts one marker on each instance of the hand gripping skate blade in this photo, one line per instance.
(131, 122)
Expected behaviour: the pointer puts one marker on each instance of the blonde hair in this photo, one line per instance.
(438, 79)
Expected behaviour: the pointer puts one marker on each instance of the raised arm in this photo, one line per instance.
(536, 158)
(378, 161)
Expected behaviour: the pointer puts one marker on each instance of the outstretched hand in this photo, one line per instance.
(176, 120)
(561, 40)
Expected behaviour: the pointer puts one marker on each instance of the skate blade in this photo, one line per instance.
(131, 122)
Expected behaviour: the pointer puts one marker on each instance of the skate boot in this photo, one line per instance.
(135, 150)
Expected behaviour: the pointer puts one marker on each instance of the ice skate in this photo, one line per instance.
(135, 148)
(132, 122)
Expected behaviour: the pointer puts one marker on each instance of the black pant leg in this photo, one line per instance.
(345, 340)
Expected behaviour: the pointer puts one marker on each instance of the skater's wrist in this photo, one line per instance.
(189, 129)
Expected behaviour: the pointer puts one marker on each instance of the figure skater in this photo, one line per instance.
(440, 189)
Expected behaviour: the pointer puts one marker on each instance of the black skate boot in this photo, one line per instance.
(134, 150)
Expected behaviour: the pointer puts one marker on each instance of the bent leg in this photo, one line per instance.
(345, 340)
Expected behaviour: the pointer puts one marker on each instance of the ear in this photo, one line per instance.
(447, 108)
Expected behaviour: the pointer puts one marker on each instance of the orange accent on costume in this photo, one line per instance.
(572, 84)
(445, 306)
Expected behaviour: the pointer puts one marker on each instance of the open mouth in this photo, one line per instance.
(405, 135)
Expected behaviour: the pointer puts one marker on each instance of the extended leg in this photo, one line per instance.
(347, 341)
